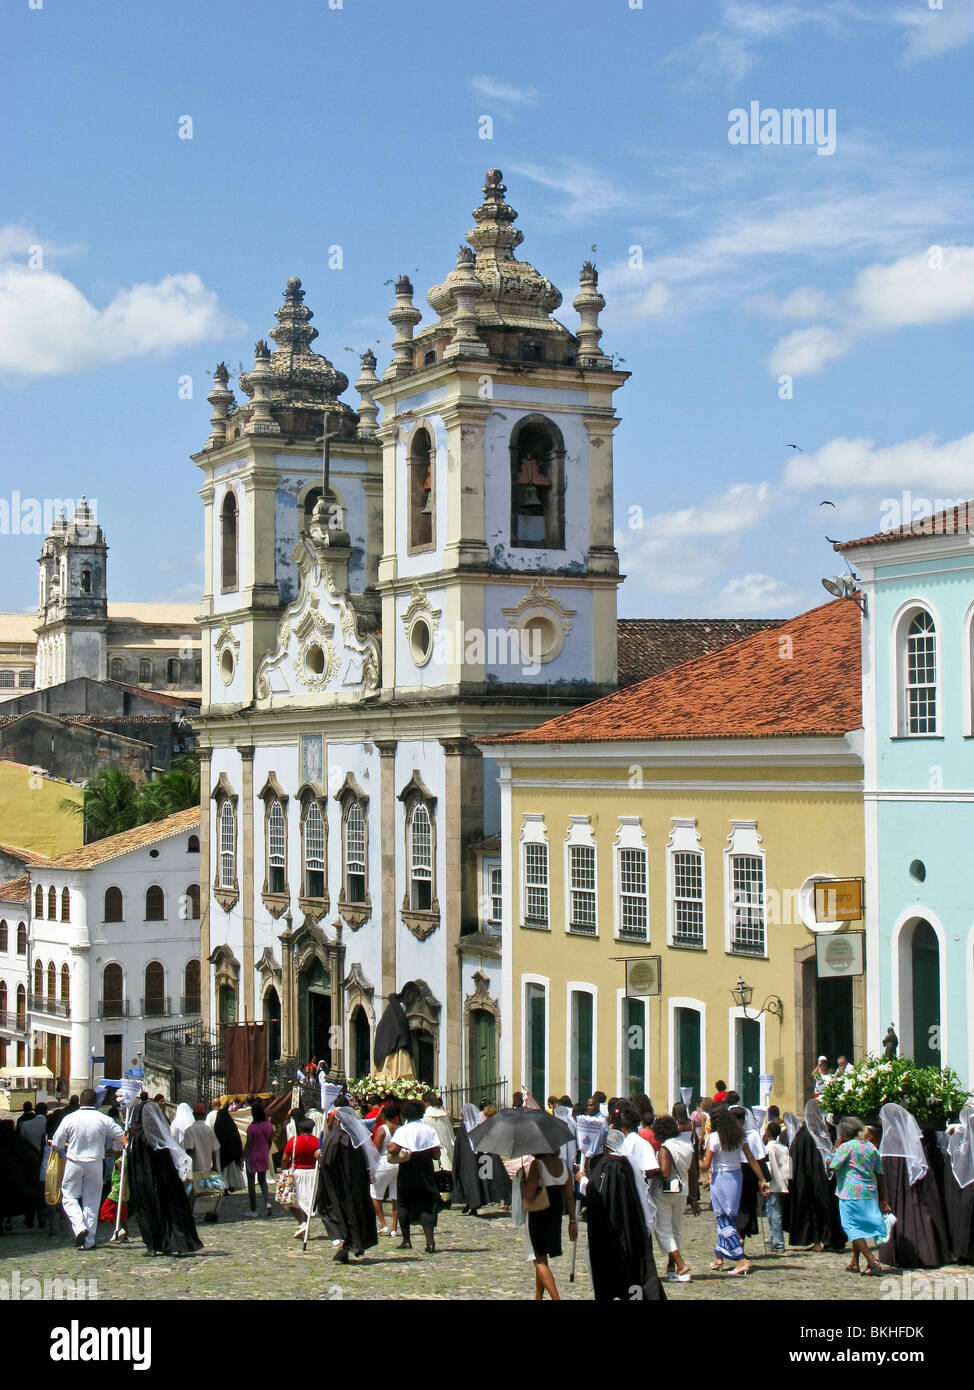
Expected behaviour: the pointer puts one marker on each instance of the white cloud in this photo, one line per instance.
(932, 33)
(925, 464)
(48, 327)
(931, 286)
(492, 90)
(732, 49)
(801, 303)
(807, 351)
(755, 594)
(587, 190)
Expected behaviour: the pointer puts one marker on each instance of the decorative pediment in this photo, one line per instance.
(351, 788)
(225, 638)
(542, 622)
(480, 999)
(268, 968)
(320, 648)
(420, 1005)
(273, 790)
(418, 607)
(222, 790)
(538, 597)
(358, 981)
(417, 790)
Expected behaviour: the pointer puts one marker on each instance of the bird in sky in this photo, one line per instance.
(795, 446)
(826, 504)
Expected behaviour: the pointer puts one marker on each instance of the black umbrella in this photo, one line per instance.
(516, 1133)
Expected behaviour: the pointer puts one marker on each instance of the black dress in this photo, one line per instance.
(544, 1227)
(619, 1246)
(920, 1239)
(813, 1211)
(418, 1194)
(344, 1204)
(159, 1199)
(959, 1211)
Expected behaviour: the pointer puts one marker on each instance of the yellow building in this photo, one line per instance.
(685, 821)
(30, 811)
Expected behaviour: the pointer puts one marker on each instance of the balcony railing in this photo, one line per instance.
(156, 1008)
(583, 929)
(13, 1023)
(113, 1008)
(189, 1004)
(46, 1004)
(748, 946)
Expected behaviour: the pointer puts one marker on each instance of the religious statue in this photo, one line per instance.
(890, 1043)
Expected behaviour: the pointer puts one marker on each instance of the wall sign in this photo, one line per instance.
(840, 954)
(643, 976)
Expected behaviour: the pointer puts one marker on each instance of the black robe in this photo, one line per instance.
(158, 1198)
(344, 1204)
(228, 1137)
(959, 1211)
(619, 1246)
(392, 1033)
(476, 1191)
(920, 1239)
(813, 1211)
(418, 1194)
(19, 1173)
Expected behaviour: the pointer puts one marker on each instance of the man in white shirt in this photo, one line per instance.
(201, 1144)
(84, 1137)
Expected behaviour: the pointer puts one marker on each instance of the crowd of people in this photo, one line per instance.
(373, 1166)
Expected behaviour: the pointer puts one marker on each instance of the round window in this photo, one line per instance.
(226, 666)
(421, 641)
(918, 871)
(314, 661)
(541, 639)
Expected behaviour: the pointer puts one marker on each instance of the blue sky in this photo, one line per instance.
(851, 272)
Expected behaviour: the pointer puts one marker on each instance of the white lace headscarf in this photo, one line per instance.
(792, 1125)
(817, 1128)
(159, 1136)
(181, 1122)
(902, 1139)
(960, 1148)
(359, 1134)
(472, 1117)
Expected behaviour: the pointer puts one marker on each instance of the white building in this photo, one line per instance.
(13, 971)
(114, 936)
(458, 579)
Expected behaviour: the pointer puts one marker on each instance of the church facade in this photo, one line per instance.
(380, 594)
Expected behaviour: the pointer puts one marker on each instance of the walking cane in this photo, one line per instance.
(314, 1191)
(121, 1187)
(571, 1277)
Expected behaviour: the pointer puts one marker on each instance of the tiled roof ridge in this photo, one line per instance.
(922, 527)
(139, 837)
(15, 890)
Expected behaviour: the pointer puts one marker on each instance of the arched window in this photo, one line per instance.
(26, 680)
(113, 905)
(172, 671)
(117, 668)
(3, 1001)
(39, 902)
(313, 833)
(193, 902)
(276, 848)
(153, 1003)
(65, 905)
(21, 1006)
(228, 542)
(420, 490)
(21, 938)
(920, 673)
(228, 846)
(145, 670)
(355, 861)
(51, 980)
(113, 1001)
(193, 845)
(52, 904)
(38, 979)
(191, 987)
(155, 904)
(6, 680)
(4, 943)
(421, 861)
(537, 484)
(86, 581)
(361, 1040)
(925, 974)
(65, 984)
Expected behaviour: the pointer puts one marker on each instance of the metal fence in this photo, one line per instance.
(484, 1093)
(189, 1059)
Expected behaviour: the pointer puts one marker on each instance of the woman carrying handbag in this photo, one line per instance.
(547, 1189)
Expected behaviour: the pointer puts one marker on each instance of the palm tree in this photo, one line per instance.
(180, 786)
(109, 805)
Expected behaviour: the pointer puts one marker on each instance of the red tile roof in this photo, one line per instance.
(100, 851)
(15, 890)
(802, 678)
(952, 521)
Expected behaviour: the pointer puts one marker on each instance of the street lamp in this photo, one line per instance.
(743, 994)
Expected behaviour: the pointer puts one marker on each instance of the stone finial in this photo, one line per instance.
(221, 398)
(260, 379)
(466, 289)
(589, 304)
(495, 235)
(368, 411)
(294, 332)
(404, 317)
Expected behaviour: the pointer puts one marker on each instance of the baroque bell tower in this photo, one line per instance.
(72, 631)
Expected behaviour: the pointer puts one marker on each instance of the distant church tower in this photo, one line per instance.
(72, 630)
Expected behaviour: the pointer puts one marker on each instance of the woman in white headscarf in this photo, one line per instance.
(347, 1164)
(158, 1170)
(181, 1121)
(919, 1239)
(959, 1186)
(813, 1208)
(415, 1147)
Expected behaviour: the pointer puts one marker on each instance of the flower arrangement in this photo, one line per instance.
(404, 1088)
(933, 1096)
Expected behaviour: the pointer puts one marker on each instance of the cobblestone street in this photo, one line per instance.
(477, 1258)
